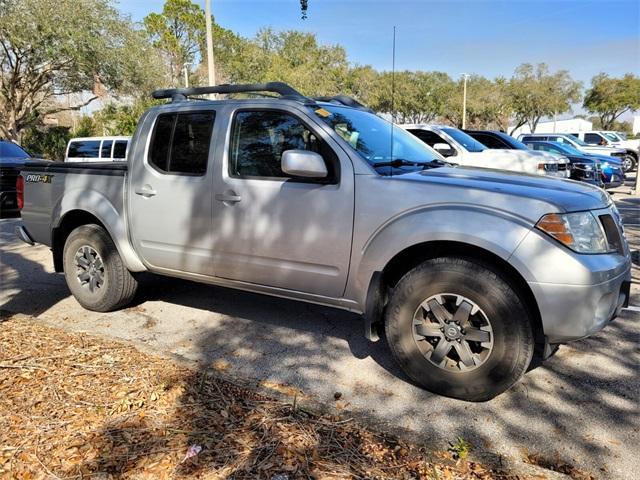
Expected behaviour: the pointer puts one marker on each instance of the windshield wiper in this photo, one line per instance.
(401, 162)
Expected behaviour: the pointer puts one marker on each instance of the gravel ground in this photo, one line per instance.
(580, 408)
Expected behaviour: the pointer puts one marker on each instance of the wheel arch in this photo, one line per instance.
(75, 218)
(382, 281)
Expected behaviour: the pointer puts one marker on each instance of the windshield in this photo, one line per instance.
(576, 140)
(11, 150)
(515, 143)
(568, 149)
(469, 143)
(371, 136)
(612, 136)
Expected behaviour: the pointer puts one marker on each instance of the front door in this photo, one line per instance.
(275, 230)
(170, 199)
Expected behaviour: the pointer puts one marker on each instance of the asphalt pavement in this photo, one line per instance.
(580, 408)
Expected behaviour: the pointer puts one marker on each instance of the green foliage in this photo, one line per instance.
(85, 127)
(419, 96)
(60, 47)
(178, 32)
(121, 119)
(48, 142)
(535, 93)
(460, 448)
(611, 97)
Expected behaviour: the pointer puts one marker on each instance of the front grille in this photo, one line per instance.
(8, 178)
(613, 233)
(562, 167)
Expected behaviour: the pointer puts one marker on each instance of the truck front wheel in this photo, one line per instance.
(458, 329)
(94, 271)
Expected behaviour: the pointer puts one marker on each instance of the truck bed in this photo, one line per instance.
(52, 189)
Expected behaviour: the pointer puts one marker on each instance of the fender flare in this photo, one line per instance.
(98, 205)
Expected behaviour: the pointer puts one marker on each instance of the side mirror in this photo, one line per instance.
(303, 163)
(444, 149)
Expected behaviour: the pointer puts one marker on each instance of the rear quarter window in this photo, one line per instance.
(120, 149)
(84, 149)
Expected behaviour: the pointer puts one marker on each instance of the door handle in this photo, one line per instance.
(145, 191)
(229, 197)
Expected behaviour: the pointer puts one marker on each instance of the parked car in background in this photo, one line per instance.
(575, 142)
(611, 139)
(598, 169)
(460, 148)
(96, 149)
(469, 271)
(496, 140)
(12, 158)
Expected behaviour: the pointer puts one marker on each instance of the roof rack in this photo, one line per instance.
(179, 94)
(344, 100)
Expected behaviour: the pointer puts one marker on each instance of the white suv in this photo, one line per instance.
(97, 149)
(463, 149)
(613, 139)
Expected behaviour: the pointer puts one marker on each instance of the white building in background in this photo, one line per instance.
(636, 125)
(570, 125)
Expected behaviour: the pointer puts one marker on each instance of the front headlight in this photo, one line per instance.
(580, 231)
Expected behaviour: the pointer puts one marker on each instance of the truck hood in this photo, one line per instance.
(508, 190)
(525, 155)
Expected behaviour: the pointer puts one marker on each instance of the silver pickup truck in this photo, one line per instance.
(469, 272)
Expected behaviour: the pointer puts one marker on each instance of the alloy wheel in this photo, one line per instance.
(453, 332)
(89, 268)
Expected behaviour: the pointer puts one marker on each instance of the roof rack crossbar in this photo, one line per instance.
(179, 94)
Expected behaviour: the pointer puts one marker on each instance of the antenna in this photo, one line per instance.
(393, 93)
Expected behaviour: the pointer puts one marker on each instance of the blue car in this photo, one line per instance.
(607, 168)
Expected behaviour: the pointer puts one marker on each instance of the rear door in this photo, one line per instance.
(275, 230)
(170, 196)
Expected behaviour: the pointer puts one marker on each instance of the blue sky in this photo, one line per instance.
(487, 37)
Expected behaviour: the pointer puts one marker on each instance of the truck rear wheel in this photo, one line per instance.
(95, 272)
(458, 329)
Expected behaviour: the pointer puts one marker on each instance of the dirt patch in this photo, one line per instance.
(75, 405)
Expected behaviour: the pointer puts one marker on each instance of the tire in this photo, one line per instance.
(500, 320)
(628, 163)
(114, 285)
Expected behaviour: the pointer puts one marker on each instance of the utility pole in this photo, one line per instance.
(185, 70)
(464, 101)
(211, 67)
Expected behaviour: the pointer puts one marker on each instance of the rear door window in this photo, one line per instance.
(180, 142)
(84, 149)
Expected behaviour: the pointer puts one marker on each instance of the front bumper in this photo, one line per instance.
(576, 294)
(572, 312)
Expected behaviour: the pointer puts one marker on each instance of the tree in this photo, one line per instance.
(122, 119)
(178, 32)
(611, 97)
(48, 50)
(416, 97)
(50, 142)
(536, 93)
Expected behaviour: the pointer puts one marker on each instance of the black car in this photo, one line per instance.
(12, 158)
(494, 139)
(583, 168)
